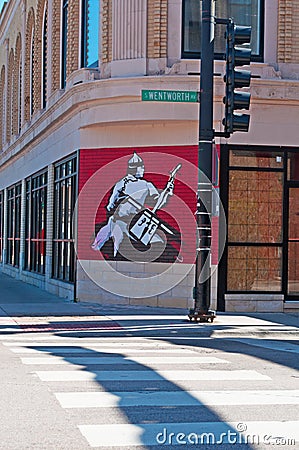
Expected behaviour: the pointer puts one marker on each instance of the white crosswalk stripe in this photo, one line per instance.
(272, 345)
(149, 375)
(181, 398)
(191, 433)
(75, 350)
(149, 364)
(107, 343)
(150, 361)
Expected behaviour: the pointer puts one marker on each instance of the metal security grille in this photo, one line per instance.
(36, 221)
(65, 192)
(13, 224)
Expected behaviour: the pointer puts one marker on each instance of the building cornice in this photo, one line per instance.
(119, 101)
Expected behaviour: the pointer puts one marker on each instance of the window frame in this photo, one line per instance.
(19, 98)
(229, 167)
(85, 36)
(44, 48)
(221, 56)
(63, 244)
(64, 32)
(9, 98)
(31, 73)
(36, 217)
(13, 238)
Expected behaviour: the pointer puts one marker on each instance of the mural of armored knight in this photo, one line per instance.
(127, 201)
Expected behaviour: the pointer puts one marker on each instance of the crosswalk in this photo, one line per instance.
(143, 392)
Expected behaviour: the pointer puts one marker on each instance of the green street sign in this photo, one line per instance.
(170, 96)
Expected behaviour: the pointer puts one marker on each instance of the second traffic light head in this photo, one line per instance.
(240, 100)
(237, 122)
(236, 78)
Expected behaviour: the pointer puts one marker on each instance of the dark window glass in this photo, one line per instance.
(36, 223)
(243, 12)
(20, 97)
(32, 75)
(90, 33)
(44, 60)
(13, 225)
(65, 192)
(64, 42)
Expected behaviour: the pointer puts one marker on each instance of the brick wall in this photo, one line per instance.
(157, 29)
(56, 17)
(2, 83)
(27, 93)
(288, 31)
(106, 31)
(31, 20)
(73, 37)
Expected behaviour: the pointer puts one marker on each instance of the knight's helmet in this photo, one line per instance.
(135, 165)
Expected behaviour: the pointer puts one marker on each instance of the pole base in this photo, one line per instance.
(199, 316)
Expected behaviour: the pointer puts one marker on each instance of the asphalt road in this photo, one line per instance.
(126, 383)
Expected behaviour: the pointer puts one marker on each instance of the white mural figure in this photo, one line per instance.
(127, 199)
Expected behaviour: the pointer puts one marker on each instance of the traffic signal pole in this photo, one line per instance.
(236, 55)
(201, 291)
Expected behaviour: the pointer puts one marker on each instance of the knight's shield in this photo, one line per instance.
(145, 227)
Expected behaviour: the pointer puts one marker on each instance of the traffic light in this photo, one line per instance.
(236, 78)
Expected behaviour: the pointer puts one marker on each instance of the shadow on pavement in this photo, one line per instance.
(155, 416)
(164, 413)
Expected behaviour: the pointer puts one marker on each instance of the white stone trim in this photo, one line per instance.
(174, 29)
(129, 29)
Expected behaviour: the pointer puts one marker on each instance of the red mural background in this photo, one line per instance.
(100, 169)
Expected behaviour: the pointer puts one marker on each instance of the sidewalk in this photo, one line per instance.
(22, 305)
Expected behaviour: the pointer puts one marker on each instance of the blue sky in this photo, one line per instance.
(1, 4)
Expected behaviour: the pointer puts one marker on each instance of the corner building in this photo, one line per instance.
(73, 124)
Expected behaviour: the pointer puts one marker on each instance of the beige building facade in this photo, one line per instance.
(72, 117)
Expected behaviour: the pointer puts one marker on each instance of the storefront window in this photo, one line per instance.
(36, 223)
(90, 33)
(255, 212)
(13, 225)
(263, 159)
(243, 12)
(254, 268)
(255, 220)
(65, 191)
(293, 242)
